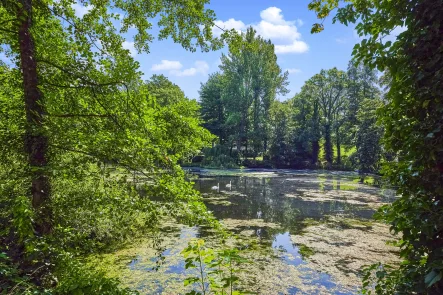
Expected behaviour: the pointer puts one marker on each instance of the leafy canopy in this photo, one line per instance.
(412, 121)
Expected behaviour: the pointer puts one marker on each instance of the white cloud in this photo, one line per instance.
(300, 22)
(200, 67)
(293, 71)
(277, 32)
(272, 26)
(130, 46)
(231, 23)
(295, 47)
(175, 68)
(81, 10)
(272, 15)
(167, 65)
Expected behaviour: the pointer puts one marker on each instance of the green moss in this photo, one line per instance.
(348, 223)
(305, 251)
(310, 222)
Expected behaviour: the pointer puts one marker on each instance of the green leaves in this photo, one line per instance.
(236, 102)
(190, 281)
(114, 141)
(411, 118)
(317, 28)
(216, 268)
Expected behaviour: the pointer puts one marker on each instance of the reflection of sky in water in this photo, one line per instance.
(264, 198)
(291, 254)
(186, 233)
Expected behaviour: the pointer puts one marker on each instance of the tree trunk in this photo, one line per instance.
(315, 151)
(328, 144)
(35, 141)
(338, 147)
(316, 131)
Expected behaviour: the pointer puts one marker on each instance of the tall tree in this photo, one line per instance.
(305, 125)
(368, 137)
(279, 148)
(362, 84)
(24, 18)
(36, 142)
(329, 89)
(253, 79)
(212, 106)
(165, 92)
(85, 106)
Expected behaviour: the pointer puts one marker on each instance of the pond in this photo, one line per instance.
(309, 232)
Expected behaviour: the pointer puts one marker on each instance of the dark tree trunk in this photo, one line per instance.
(315, 151)
(328, 144)
(338, 147)
(35, 142)
(316, 127)
(242, 133)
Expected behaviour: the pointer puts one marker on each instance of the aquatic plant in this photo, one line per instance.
(216, 269)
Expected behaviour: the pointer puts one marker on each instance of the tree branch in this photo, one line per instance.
(86, 81)
(79, 115)
(104, 159)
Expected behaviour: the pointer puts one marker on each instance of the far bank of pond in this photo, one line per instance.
(307, 232)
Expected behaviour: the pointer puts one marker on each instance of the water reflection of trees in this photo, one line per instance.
(264, 198)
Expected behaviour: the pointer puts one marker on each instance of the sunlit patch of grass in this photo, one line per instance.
(344, 151)
(369, 180)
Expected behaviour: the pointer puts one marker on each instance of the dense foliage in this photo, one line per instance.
(236, 103)
(90, 151)
(412, 119)
(328, 114)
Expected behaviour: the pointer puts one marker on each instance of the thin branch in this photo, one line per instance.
(6, 21)
(104, 159)
(94, 95)
(92, 40)
(79, 115)
(86, 81)
(64, 86)
(8, 31)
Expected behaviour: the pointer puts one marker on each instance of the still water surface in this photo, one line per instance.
(313, 230)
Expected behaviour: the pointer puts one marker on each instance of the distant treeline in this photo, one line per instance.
(330, 123)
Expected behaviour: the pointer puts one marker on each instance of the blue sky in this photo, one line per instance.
(286, 22)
